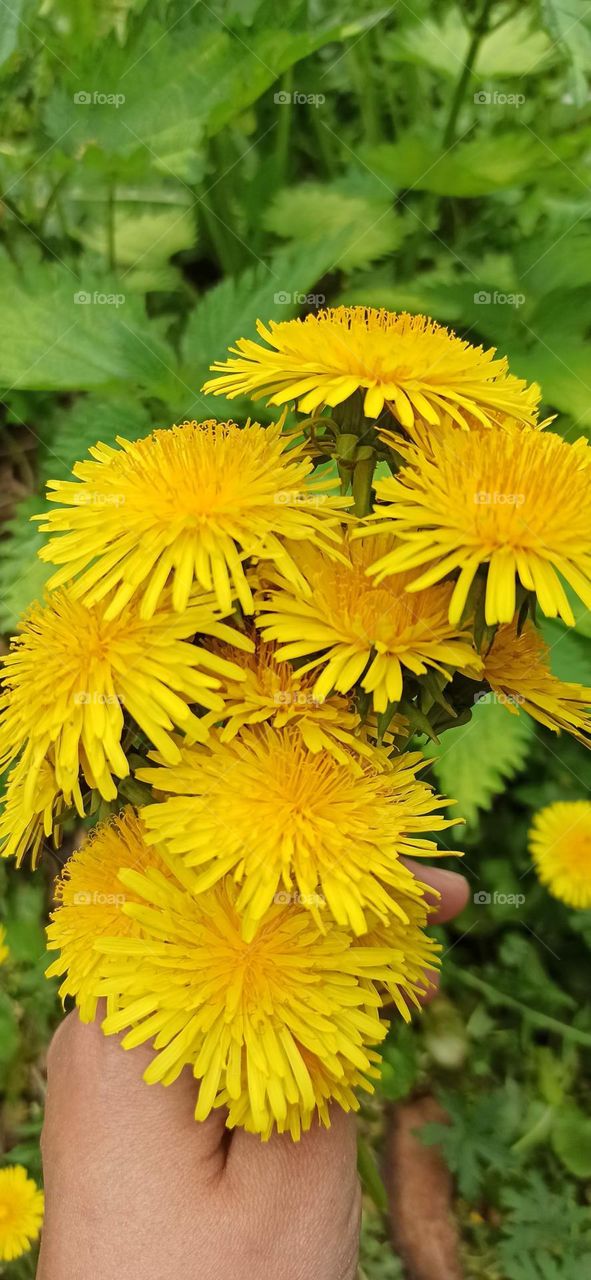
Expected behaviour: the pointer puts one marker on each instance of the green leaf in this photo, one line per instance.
(514, 48)
(570, 653)
(67, 332)
(477, 167)
(473, 763)
(571, 1140)
(22, 574)
(231, 309)
(569, 25)
(310, 212)
(88, 421)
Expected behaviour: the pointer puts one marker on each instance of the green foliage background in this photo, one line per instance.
(169, 174)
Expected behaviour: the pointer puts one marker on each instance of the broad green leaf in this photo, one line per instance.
(570, 652)
(310, 212)
(164, 98)
(477, 167)
(569, 24)
(22, 574)
(230, 310)
(571, 1140)
(89, 420)
(65, 332)
(514, 48)
(474, 762)
(144, 238)
(10, 22)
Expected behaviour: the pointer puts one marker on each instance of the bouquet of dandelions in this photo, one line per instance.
(229, 671)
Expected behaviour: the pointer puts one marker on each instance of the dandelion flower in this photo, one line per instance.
(420, 953)
(560, 845)
(21, 1212)
(4, 950)
(274, 1028)
(409, 363)
(359, 631)
(274, 692)
(517, 667)
(517, 503)
(90, 900)
(187, 504)
(72, 672)
(283, 819)
(27, 820)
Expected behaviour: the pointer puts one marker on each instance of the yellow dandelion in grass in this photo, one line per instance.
(409, 363)
(517, 503)
(71, 674)
(187, 504)
(21, 1212)
(517, 667)
(4, 950)
(26, 820)
(560, 845)
(274, 692)
(358, 631)
(282, 819)
(90, 900)
(274, 1028)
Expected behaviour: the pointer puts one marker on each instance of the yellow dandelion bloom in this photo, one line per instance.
(560, 845)
(282, 819)
(27, 820)
(359, 631)
(409, 363)
(422, 434)
(71, 674)
(21, 1212)
(187, 504)
(275, 693)
(420, 953)
(517, 667)
(90, 900)
(274, 1028)
(4, 950)
(517, 503)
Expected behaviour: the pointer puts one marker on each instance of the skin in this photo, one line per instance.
(136, 1190)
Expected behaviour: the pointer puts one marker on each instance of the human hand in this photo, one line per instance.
(136, 1190)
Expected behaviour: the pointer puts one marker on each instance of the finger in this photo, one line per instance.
(96, 1090)
(453, 890)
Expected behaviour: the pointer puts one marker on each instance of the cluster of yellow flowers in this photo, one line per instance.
(245, 630)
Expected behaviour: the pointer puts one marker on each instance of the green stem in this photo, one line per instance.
(282, 149)
(534, 1016)
(362, 480)
(478, 33)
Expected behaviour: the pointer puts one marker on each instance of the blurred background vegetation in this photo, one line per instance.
(169, 173)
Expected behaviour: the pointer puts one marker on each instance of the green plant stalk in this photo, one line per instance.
(534, 1016)
(478, 33)
(111, 248)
